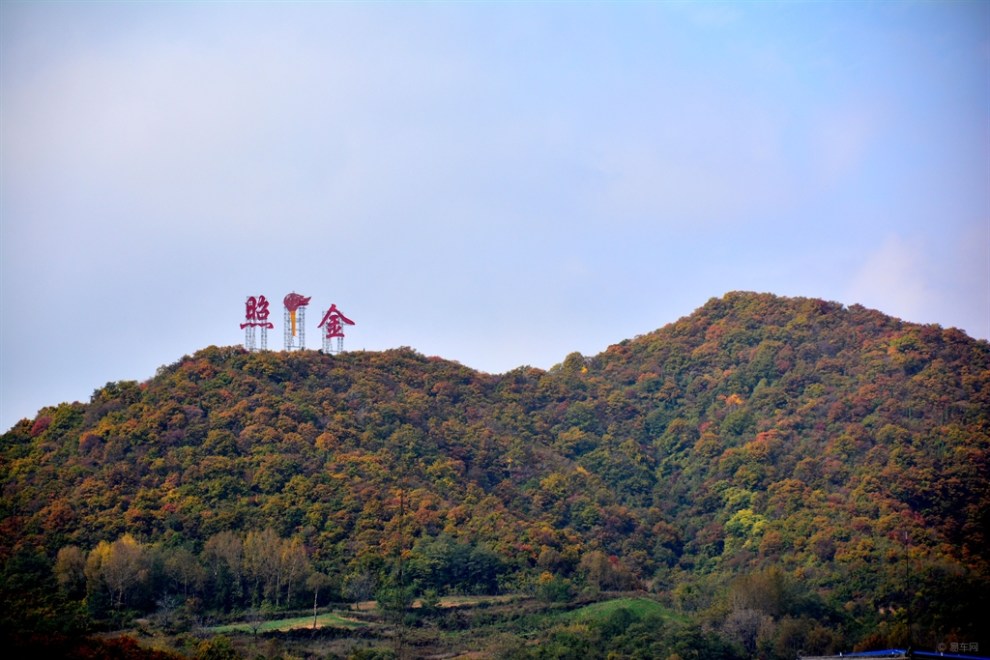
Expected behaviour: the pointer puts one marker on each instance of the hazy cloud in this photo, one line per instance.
(893, 278)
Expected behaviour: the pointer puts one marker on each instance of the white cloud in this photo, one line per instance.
(893, 278)
(963, 281)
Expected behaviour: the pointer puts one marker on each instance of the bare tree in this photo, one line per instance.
(184, 570)
(317, 581)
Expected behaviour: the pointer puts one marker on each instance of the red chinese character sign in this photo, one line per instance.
(333, 321)
(295, 321)
(256, 316)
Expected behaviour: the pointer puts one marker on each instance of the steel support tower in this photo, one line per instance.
(249, 343)
(295, 321)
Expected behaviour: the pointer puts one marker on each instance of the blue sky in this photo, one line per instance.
(496, 183)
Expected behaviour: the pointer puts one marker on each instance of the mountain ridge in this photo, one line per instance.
(757, 436)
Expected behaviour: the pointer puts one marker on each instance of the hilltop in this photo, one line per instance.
(785, 472)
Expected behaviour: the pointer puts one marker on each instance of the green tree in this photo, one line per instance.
(70, 571)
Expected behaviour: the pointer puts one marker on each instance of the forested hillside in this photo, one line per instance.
(786, 473)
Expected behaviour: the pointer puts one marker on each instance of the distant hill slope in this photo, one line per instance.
(761, 438)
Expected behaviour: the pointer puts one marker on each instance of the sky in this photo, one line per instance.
(499, 184)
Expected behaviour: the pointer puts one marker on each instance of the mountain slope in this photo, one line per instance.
(835, 451)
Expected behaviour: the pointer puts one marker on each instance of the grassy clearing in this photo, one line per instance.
(334, 620)
(640, 607)
(329, 619)
(470, 601)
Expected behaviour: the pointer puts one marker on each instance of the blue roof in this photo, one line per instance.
(903, 653)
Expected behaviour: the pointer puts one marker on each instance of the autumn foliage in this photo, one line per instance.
(790, 472)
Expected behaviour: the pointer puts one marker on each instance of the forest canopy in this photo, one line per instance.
(768, 466)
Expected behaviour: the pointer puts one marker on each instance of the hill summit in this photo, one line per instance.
(768, 466)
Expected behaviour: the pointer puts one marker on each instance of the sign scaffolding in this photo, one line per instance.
(333, 321)
(295, 321)
(256, 316)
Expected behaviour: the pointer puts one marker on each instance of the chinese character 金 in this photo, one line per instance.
(334, 321)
